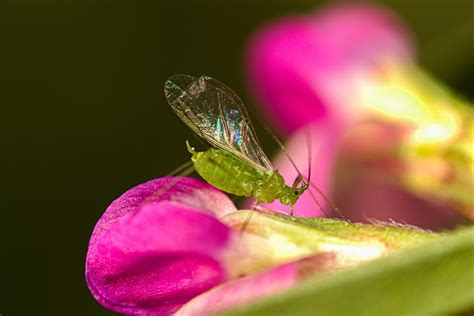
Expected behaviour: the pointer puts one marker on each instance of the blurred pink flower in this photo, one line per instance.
(300, 67)
(309, 74)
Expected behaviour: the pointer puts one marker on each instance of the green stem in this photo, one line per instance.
(435, 278)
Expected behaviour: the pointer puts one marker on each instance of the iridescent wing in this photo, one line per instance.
(215, 112)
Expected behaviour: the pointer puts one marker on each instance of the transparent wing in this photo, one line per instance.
(216, 113)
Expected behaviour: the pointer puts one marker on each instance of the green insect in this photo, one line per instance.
(236, 164)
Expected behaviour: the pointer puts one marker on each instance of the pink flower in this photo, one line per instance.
(159, 245)
(300, 66)
(261, 285)
(179, 244)
(345, 74)
(162, 243)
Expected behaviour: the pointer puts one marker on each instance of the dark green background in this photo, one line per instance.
(84, 118)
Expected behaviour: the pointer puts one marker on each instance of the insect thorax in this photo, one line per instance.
(236, 176)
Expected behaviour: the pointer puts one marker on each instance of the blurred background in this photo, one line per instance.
(84, 117)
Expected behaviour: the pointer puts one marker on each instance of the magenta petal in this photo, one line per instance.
(157, 246)
(296, 65)
(258, 286)
(358, 33)
(281, 61)
(242, 291)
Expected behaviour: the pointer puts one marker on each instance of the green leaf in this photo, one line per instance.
(434, 278)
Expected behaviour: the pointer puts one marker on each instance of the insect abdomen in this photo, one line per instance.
(227, 173)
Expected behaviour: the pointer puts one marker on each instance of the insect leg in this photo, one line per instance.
(297, 181)
(282, 147)
(180, 169)
(184, 170)
(255, 207)
(247, 221)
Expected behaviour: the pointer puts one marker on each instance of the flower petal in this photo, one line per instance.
(157, 246)
(297, 65)
(258, 286)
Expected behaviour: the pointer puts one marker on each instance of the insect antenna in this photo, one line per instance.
(328, 200)
(309, 146)
(285, 152)
(280, 144)
(308, 179)
(315, 199)
(283, 149)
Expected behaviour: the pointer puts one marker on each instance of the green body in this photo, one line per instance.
(233, 175)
